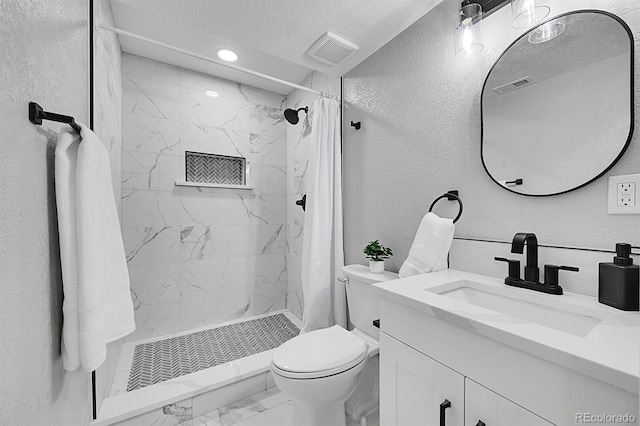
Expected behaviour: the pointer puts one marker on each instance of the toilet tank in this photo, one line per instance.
(362, 298)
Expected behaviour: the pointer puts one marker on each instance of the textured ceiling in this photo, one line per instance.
(270, 36)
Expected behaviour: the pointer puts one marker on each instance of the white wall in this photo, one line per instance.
(44, 51)
(420, 112)
(200, 256)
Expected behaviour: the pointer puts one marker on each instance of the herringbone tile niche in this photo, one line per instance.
(212, 168)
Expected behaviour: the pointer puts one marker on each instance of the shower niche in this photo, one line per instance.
(214, 170)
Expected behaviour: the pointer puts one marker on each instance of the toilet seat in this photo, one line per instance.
(319, 353)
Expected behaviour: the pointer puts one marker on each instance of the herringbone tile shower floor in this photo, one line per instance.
(162, 360)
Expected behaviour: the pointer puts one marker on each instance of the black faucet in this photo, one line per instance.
(531, 270)
(531, 279)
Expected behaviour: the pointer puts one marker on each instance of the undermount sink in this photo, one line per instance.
(528, 306)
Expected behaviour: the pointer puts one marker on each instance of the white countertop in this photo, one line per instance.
(610, 352)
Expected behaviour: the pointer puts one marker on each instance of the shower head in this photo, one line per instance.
(291, 115)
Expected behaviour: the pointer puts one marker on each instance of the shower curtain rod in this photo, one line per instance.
(208, 59)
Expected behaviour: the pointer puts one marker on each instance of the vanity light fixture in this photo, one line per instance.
(468, 30)
(211, 93)
(526, 13)
(227, 55)
(547, 31)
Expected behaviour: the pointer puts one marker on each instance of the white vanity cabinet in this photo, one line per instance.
(429, 354)
(417, 390)
(493, 410)
(413, 387)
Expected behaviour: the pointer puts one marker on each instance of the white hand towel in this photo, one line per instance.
(97, 305)
(430, 246)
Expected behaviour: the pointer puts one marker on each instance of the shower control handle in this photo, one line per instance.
(302, 202)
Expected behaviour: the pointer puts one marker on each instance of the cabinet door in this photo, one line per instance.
(412, 387)
(483, 405)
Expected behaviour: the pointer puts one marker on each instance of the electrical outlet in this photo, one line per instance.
(626, 194)
(623, 196)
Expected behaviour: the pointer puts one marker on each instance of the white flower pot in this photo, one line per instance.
(377, 267)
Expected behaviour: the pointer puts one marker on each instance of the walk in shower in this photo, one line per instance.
(207, 174)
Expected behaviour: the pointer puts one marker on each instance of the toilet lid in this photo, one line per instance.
(329, 349)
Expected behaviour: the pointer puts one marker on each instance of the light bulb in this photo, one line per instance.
(227, 55)
(526, 13)
(547, 31)
(468, 31)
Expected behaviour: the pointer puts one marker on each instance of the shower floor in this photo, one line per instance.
(183, 383)
(168, 358)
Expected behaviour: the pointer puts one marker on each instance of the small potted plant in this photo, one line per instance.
(377, 253)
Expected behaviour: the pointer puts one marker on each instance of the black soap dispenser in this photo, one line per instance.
(619, 282)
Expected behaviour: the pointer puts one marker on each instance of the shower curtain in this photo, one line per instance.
(322, 251)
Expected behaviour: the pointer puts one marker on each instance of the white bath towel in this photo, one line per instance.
(430, 246)
(97, 307)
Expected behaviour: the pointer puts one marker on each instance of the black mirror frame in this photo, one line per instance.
(631, 103)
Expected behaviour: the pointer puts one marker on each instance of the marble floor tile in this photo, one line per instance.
(168, 415)
(267, 408)
(210, 401)
(276, 416)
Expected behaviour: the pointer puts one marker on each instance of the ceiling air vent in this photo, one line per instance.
(514, 85)
(331, 49)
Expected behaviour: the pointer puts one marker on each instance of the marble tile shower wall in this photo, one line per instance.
(298, 150)
(108, 127)
(108, 93)
(200, 256)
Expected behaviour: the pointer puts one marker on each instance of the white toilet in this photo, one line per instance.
(322, 369)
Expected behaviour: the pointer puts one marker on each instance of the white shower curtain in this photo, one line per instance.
(322, 251)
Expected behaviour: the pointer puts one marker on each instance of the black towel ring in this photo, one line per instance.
(451, 195)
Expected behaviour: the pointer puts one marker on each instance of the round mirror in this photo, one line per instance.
(557, 106)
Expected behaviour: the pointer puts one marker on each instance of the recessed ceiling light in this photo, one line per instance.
(227, 55)
(211, 93)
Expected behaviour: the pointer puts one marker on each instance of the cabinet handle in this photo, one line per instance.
(443, 406)
(480, 423)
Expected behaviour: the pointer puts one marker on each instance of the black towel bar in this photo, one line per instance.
(37, 114)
